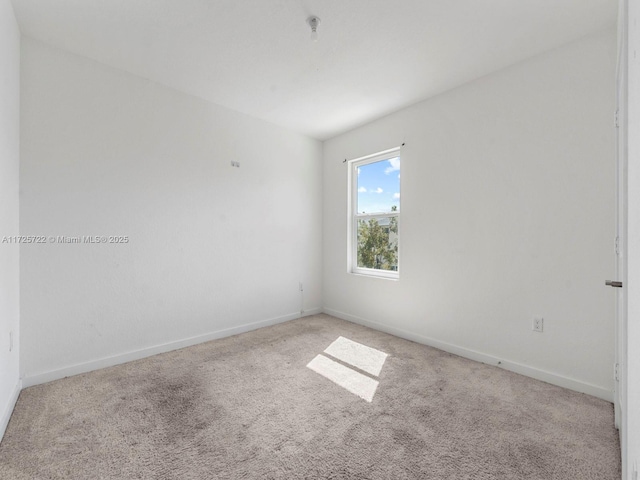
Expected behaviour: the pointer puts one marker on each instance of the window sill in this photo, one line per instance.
(376, 274)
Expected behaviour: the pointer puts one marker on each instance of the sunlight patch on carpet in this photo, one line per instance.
(361, 357)
(349, 379)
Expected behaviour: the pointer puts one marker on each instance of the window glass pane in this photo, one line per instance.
(378, 243)
(379, 186)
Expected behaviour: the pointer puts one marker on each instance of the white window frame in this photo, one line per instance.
(354, 216)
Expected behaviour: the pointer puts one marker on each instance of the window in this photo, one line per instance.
(374, 214)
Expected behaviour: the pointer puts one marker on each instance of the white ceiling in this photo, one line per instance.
(255, 56)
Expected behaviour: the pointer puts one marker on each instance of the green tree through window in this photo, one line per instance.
(378, 243)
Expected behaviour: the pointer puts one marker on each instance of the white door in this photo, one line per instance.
(620, 234)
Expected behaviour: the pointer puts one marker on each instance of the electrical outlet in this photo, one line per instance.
(538, 324)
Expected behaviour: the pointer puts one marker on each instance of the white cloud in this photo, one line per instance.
(378, 190)
(362, 190)
(394, 165)
(396, 195)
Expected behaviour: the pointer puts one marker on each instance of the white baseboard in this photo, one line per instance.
(516, 367)
(6, 415)
(39, 378)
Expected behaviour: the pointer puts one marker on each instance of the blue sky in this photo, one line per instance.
(379, 186)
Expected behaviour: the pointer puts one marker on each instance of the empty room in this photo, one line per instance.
(299, 239)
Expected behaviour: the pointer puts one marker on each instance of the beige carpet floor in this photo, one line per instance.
(247, 407)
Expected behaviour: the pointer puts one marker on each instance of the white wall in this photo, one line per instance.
(212, 249)
(9, 226)
(507, 212)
